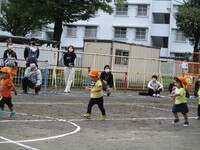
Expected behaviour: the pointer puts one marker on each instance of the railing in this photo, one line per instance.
(134, 75)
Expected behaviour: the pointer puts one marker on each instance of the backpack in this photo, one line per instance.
(32, 54)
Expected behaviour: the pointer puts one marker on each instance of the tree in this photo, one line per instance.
(41, 12)
(62, 11)
(188, 21)
(21, 16)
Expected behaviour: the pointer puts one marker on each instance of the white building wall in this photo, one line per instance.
(106, 23)
(105, 26)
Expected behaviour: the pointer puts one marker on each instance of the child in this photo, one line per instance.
(96, 94)
(198, 109)
(172, 87)
(180, 100)
(154, 87)
(5, 90)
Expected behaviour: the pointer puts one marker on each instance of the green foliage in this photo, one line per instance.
(21, 16)
(188, 21)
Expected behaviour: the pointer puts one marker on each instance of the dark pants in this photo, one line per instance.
(7, 101)
(151, 92)
(99, 102)
(198, 111)
(27, 83)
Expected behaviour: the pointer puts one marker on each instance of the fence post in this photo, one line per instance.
(46, 72)
(125, 81)
(88, 80)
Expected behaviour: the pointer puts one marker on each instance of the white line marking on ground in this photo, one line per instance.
(129, 119)
(17, 143)
(52, 137)
(5, 121)
(113, 140)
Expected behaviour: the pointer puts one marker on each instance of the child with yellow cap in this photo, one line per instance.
(6, 86)
(180, 100)
(96, 94)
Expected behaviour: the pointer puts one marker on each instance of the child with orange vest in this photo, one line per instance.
(180, 100)
(96, 94)
(5, 90)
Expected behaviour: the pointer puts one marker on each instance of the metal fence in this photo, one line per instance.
(135, 73)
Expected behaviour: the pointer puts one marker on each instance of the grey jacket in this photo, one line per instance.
(34, 78)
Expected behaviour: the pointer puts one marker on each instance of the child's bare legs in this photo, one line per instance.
(175, 115)
(185, 117)
(1, 108)
(11, 109)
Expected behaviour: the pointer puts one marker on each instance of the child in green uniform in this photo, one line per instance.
(96, 94)
(198, 109)
(180, 100)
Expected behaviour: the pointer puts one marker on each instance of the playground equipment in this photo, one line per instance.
(190, 70)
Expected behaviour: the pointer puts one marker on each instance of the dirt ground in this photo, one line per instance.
(53, 120)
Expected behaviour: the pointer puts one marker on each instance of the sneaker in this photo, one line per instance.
(88, 116)
(67, 91)
(2, 112)
(154, 95)
(102, 117)
(108, 94)
(158, 95)
(175, 121)
(24, 92)
(198, 118)
(12, 113)
(186, 123)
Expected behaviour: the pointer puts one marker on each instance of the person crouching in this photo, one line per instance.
(32, 78)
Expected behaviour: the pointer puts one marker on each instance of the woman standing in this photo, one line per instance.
(107, 79)
(69, 70)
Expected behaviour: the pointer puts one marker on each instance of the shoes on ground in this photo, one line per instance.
(186, 123)
(12, 113)
(175, 121)
(67, 91)
(198, 118)
(154, 95)
(24, 92)
(88, 116)
(158, 95)
(103, 117)
(2, 112)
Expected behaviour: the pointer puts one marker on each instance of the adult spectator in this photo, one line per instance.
(154, 87)
(32, 77)
(31, 51)
(69, 71)
(107, 79)
(9, 56)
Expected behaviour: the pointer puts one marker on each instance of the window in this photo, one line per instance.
(121, 60)
(122, 10)
(120, 33)
(161, 18)
(71, 31)
(90, 32)
(142, 10)
(180, 36)
(140, 34)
